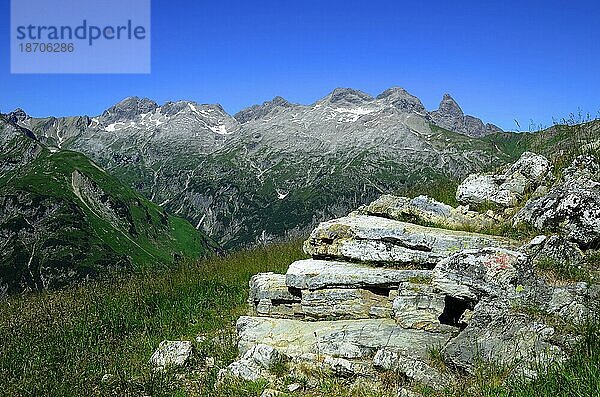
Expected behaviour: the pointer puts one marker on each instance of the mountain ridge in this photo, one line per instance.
(338, 95)
(275, 168)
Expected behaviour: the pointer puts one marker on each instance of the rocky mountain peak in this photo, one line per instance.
(259, 111)
(402, 99)
(450, 116)
(448, 106)
(348, 96)
(279, 101)
(17, 116)
(128, 109)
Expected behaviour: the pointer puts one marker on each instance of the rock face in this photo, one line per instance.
(571, 207)
(382, 294)
(506, 189)
(495, 334)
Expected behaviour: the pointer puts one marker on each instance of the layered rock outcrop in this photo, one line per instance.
(383, 294)
(506, 189)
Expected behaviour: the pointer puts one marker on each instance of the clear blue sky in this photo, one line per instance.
(525, 60)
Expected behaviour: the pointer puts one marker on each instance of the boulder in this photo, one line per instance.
(270, 296)
(417, 306)
(414, 368)
(270, 286)
(171, 354)
(254, 364)
(573, 303)
(556, 249)
(346, 303)
(571, 207)
(506, 189)
(346, 368)
(378, 240)
(243, 369)
(264, 355)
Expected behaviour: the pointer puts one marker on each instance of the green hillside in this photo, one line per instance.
(64, 219)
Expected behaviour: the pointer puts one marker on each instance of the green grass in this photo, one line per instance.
(564, 270)
(62, 343)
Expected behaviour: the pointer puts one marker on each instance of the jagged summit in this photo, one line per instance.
(17, 116)
(402, 100)
(347, 96)
(256, 112)
(352, 103)
(128, 108)
(450, 116)
(449, 107)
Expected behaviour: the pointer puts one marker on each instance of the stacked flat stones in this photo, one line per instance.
(366, 301)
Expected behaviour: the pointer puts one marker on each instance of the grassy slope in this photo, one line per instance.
(62, 343)
(50, 175)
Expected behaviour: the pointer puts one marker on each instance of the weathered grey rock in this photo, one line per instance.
(269, 308)
(424, 210)
(264, 355)
(269, 296)
(572, 206)
(497, 334)
(473, 274)
(346, 368)
(243, 369)
(294, 387)
(348, 339)
(270, 286)
(413, 368)
(508, 188)
(312, 274)
(340, 303)
(404, 392)
(254, 364)
(418, 306)
(573, 303)
(556, 249)
(378, 240)
(171, 354)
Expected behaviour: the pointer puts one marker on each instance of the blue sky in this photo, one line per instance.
(524, 60)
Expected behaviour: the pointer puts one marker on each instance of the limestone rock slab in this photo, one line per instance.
(372, 239)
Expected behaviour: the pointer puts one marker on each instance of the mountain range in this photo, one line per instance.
(275, 169)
